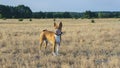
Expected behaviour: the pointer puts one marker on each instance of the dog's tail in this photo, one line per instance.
(44, 30)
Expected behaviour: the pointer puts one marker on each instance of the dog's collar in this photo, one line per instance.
(58, 34)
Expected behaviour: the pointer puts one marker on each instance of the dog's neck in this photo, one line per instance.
(58, 32)
(58, 36)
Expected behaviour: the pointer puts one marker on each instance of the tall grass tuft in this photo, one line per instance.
(92, 21)
(30, 19)
(20, 19)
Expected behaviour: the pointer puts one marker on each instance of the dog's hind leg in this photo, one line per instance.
(46, 43)
(41, 39)
(41, 42)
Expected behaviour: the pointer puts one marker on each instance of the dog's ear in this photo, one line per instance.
(55, 25)
(60, 25)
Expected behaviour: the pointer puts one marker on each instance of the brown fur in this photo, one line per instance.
(49, 36)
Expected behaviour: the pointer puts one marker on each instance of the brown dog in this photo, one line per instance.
(53, 37)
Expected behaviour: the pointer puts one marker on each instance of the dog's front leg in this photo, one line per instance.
(57, 48)
(54, 49)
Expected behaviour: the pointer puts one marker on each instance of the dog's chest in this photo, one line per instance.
(57, 38)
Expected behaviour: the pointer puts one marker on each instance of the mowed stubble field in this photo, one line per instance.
(84, 44)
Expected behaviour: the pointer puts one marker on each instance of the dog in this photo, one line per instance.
(53, 37)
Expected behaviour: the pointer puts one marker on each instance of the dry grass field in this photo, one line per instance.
(84, 44)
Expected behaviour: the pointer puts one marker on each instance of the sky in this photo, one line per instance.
(66, 5)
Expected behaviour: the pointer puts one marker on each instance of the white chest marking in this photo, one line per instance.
(57, 38)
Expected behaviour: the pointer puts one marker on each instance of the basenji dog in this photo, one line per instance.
(53, 37)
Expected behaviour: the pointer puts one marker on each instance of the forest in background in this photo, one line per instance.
(22, 11)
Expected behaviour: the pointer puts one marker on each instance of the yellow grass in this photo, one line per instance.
(84, 44)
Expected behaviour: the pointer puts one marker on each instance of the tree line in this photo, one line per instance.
(19, 11)
(22, 11)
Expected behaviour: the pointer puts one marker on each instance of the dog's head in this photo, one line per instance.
(58, 28)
